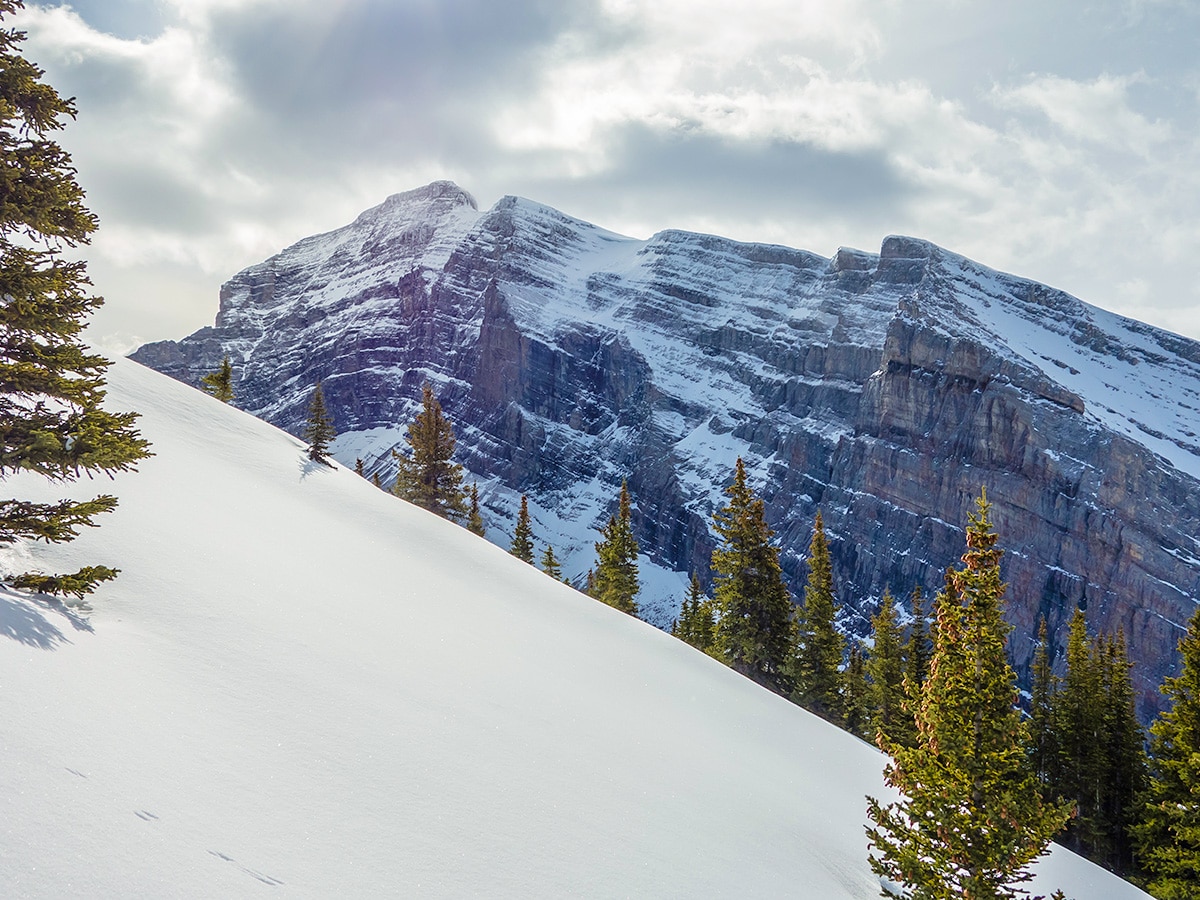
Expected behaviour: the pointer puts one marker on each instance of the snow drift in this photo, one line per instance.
(300, 684)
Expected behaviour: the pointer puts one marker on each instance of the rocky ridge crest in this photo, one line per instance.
(884, 389)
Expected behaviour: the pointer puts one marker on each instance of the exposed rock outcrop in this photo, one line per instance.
(883, 389)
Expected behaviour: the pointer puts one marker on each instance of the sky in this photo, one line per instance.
(1057, 141)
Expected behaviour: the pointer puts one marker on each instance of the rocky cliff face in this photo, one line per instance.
(884, 390)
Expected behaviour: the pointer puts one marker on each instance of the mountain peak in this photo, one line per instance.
(440, 197)
(879, 389)
(436, 191)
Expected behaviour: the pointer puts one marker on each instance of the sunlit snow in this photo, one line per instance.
(301, 686)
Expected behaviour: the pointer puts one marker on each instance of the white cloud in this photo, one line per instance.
(1097, 110)
(244, 125)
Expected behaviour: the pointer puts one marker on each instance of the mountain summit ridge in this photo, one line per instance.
(884, 389)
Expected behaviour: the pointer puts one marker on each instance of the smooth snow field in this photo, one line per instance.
(302, 686)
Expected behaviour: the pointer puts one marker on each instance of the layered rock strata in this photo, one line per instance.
(883, 389)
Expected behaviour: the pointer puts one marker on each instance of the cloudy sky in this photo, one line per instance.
(1057, 140)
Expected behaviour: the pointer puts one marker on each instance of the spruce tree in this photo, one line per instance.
(918, 648)
(856, 716)
(1125, 775)
(1078, 766)
(474, 517)
(430, 478)
(695, 623)
(358, 468)
(220, 382)
(1091, 753)
(971, 818)
(890, 713)
(318, 430)
(1043, 747)
(819, 646)
(1168, 837)
(51, 386)
(550, 564)
(753, 632)
(615, 580)
(522, 542)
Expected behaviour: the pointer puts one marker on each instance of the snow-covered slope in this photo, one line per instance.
(302, 686)
(882, 389)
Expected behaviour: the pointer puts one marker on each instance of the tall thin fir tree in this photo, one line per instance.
(856, 715)
(890, 713)
(1126, 770)
(220, 382)
(752, 608)
(971, 818)
(318, 429)
(474, 516)
(522, 542)
(919, 647)
(1168, 836)
(1078, 763)
(615, 578)
(819, 646)
(430, 478)
(695, 624)
(550, 564)
(1043, 749)
(51, 387)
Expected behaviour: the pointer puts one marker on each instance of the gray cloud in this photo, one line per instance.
(1053, 140)
(380, 79)
(152, 198)
(692, 173)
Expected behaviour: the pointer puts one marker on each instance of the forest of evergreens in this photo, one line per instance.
(987, 776)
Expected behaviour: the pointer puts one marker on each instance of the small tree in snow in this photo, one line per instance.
(318, 430)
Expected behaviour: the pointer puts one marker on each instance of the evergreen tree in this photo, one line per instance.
(615, 580)
(1168, 837)
(430, 478)
(971, 817)
(375, 480)
(318, 430)
(819, 646)
(1077, 711)
(857, 718)
(51, 387)
(1087, 745)
(474, 517)
(918, 648)
(753, 631)
(550, 564)
(695, 623)
(1043, 748)
(358, 468)
(1125, 775)
(522, 542)
(890, 712)
(220, 382)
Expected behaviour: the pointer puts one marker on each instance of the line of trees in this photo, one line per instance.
(983, 788)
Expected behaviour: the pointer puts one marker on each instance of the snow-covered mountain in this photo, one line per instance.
(884, 389)
(300, 686)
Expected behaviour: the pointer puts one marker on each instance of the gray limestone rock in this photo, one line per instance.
(885, 390)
